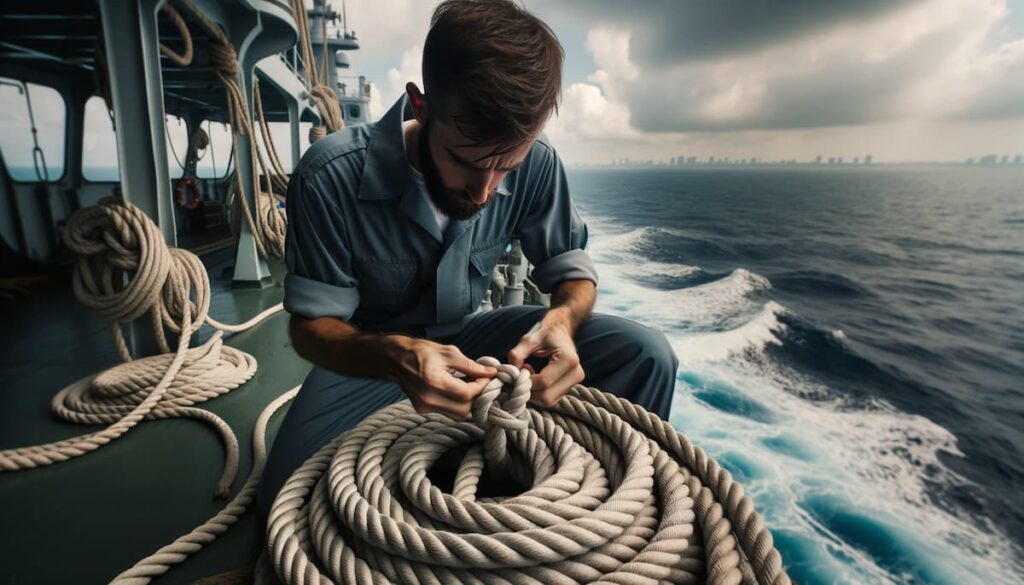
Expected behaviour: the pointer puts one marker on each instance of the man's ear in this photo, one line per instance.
(418, 101)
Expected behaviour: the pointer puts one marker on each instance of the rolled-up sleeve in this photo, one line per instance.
(552, 233)
(320, 281)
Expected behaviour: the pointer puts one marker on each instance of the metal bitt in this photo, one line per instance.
(515, 294)
(517, 263)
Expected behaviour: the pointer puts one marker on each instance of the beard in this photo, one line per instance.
(454, 203)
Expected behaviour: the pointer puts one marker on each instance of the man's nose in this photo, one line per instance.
(482, 187)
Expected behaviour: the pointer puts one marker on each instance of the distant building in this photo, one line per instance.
(691, 160)
(867, 159)
(839, 160)
(831, 160)
(1017, 160)
(817, 160)
(711, 160)
(988, 159)
(856, 160)
(970, 161)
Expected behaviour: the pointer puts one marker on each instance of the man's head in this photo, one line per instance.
(492, 75)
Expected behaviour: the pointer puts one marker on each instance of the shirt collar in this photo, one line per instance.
(386, 170)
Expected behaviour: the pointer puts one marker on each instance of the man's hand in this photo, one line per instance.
(425, 375)
(550, 339)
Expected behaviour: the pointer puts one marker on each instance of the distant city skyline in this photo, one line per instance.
(831, 161)
(907, 80)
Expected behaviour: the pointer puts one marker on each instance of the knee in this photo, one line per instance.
(650, 345)
(646, 347)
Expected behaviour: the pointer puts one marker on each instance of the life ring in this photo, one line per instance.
(193, 188)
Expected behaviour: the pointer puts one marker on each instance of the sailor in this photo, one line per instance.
(395, 228)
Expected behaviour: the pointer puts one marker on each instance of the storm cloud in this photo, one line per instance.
(666, 32)
(748, 65)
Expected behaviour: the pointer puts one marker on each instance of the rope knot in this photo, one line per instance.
(502, 404)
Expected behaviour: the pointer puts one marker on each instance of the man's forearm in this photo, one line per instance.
(571, 304)
(342, 348)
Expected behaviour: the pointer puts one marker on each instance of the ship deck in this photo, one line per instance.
(87, 519)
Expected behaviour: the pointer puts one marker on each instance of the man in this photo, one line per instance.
(395, 228)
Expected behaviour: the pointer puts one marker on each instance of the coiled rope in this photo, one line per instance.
(123, 270)
(616, 496)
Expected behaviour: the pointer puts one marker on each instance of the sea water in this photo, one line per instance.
(851, 346)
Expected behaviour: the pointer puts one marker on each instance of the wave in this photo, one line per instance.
(819, 284)
(754, 335)
(658, 244)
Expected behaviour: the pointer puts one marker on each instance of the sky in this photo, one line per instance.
(903, 80)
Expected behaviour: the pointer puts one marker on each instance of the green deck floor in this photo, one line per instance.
(87, 519)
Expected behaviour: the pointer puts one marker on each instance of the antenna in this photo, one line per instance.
(344, 18)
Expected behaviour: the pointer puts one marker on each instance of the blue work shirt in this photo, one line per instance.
(364, 246)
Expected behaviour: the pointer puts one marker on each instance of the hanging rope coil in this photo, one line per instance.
(322, 95)
(124, 270)
(616, 496)
(267, 222)
(330, 110)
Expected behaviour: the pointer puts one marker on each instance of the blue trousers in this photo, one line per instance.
(617, 355)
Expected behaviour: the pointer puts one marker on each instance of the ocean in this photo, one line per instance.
(851, 345)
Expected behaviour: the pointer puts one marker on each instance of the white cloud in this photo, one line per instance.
(384, 25)
(409, 69)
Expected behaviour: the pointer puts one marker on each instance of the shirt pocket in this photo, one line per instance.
(385, 283)
(481, 265)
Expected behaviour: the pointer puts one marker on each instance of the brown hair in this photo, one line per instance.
(494, 68)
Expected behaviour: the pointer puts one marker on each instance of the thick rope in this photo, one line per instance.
(183, 59)
(123, 270)
(278, 176)
(615, 495)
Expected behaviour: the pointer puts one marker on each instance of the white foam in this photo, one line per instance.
(878, 459)
(760, 331)
(727, 302)
(629, 241)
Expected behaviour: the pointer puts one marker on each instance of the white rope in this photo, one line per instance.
(615, 495)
